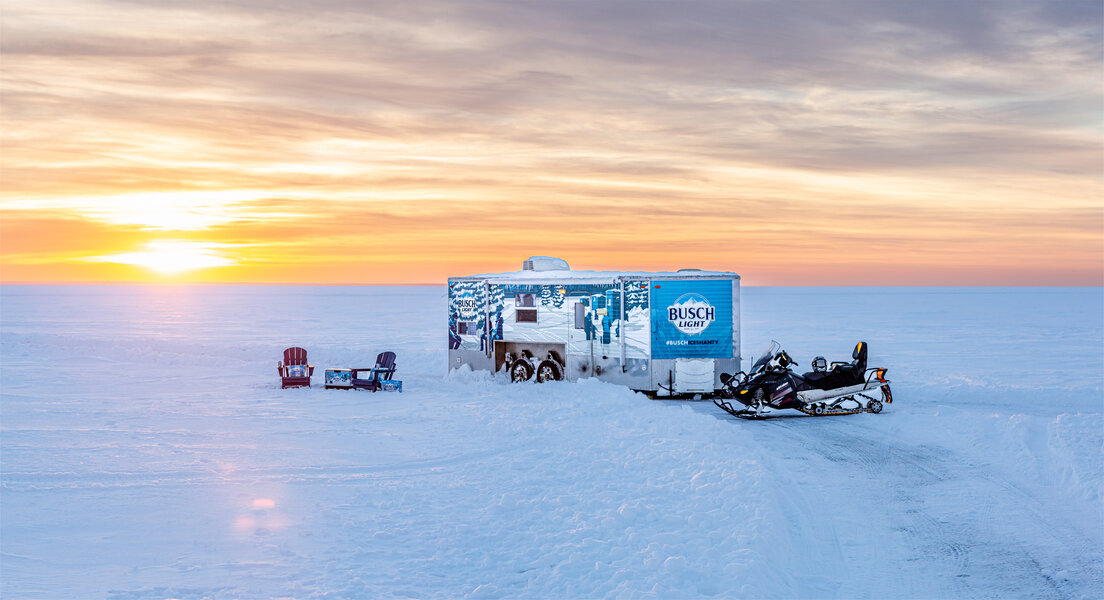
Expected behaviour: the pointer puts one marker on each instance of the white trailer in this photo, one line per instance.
(666, 333)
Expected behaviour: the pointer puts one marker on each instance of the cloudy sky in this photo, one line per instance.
(794, 142)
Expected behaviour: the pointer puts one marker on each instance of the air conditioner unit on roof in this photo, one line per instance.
(545, 263)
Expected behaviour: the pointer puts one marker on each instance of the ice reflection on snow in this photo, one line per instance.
(260, 518)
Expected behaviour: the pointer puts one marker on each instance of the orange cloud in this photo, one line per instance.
(323, 142)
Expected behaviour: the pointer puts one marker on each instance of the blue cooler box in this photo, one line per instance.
(393, 385)
(339, 379)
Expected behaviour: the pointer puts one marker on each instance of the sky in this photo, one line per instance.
(339, 141)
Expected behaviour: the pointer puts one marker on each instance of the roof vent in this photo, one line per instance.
(545, 263)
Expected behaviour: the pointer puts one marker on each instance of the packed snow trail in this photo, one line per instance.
(148, 452)
(894, 509)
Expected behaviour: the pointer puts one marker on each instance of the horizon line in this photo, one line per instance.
(443, 284)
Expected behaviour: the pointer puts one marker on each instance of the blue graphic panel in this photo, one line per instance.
(692, 319)
(468, 323)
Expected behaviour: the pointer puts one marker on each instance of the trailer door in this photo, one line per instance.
(580, 335)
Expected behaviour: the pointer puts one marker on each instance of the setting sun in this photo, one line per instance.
(169, 257)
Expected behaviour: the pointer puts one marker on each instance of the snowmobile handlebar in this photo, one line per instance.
(785, 360)
(727, 379)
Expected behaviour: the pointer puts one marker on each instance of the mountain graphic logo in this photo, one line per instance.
(691, 313)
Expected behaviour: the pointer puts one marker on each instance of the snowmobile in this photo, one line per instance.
(771, 385)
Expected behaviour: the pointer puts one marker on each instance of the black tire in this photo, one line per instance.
(874, 406)
(549, 370)
(818, 409)
(521, 370)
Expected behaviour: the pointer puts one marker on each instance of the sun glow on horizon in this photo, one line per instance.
(171, 257)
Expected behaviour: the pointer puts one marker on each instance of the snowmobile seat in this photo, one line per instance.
(819, 379)
(859, 354)
(294, 370)
(819, 372)
(852, 373)
(842, 374)
(383, 370)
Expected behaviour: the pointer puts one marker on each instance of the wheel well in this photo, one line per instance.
(535, 352)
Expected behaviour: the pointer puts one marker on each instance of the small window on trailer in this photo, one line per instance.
(525, 300)
(526, 315)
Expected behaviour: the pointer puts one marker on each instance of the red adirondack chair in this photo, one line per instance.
(294, 370)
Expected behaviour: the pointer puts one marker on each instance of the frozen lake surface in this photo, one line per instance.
(147, 451)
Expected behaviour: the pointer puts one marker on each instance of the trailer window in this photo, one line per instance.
(526, 300)
(580, 315)
(467, 327)
(526, 315)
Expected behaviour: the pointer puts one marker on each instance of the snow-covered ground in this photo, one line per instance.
(148, 452)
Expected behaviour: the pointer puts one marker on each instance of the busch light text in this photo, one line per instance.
(690, 317)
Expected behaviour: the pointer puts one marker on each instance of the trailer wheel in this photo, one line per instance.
(549, 370)
(521, 370)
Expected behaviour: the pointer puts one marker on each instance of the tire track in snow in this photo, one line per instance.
(949, 510)
(35, 481)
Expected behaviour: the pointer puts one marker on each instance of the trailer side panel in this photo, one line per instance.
(692, 318)
(663, 332)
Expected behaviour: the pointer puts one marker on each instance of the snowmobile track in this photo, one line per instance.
(957, 514)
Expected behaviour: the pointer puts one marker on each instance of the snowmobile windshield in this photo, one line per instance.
(764, 358)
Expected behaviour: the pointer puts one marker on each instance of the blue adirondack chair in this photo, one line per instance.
(372, 379)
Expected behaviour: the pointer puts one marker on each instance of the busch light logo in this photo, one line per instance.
(691, 313)
(465, 304)
(693, 319)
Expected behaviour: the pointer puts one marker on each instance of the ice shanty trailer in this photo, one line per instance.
(664, 333)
